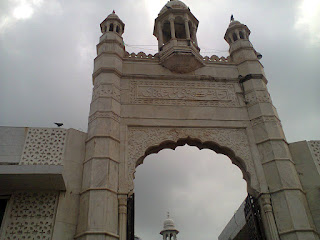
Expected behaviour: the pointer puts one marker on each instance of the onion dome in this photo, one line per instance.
(168, 226)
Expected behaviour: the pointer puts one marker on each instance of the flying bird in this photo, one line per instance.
(59, 124)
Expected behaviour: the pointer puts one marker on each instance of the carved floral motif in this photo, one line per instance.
(263, 119)
(315, 147)
(258, 97)
(44, 146)
(31, 216)
(107, 114)
(183, 93)
(142, 138)
(106, 90)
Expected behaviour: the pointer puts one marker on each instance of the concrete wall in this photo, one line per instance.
(306, 157)
(55, 154)
(11, 144)
(234, 226)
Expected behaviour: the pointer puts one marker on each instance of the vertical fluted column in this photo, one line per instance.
(268, 217)
(122, 217)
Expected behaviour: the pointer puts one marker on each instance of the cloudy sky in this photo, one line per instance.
(46, 60)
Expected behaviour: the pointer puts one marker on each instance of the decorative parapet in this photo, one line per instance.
(144, 56)
(216, 59)
(141, 55)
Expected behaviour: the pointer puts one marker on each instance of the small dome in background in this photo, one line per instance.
(168, 224)
(174, 4)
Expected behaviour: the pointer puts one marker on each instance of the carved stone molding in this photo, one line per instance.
(263, 119)
(106, 90)
(100, 114)
(216, 59)
(140, 139)
(44, 146)
(258, 97)
(183, 93)
(31, 216)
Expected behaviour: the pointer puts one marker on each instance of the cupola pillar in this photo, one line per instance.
(176, 29)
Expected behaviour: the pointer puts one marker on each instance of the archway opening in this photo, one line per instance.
(201, 189)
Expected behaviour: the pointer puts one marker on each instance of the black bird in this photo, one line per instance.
(59, 124)
(232, 18)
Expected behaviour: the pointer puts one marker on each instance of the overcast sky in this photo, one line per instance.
(46, 61)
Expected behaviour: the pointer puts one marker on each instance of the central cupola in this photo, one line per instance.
(176, 31)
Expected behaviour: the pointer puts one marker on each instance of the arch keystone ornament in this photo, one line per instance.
(144, 103)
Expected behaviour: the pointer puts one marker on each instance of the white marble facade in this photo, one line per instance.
(140, 105)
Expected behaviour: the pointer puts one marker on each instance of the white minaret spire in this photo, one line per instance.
(169, 231)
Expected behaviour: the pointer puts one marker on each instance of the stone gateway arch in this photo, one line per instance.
(144, 103)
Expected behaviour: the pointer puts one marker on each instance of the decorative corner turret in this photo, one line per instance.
(112, 29)
(176, 29)
(241, 50)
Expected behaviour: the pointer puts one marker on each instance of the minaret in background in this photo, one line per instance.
(169, 231)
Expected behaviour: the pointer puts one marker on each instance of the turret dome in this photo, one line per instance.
(173, 4)
(169, 227)
(113, 15)
(168, 224)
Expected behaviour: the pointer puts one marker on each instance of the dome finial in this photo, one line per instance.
(232, 18)
(113, 11)
(168, 214)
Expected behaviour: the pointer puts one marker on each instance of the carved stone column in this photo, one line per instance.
(186, 24)
(122, 217)
(194, 34)
(268, 217)
(160, 34)
(173, 33)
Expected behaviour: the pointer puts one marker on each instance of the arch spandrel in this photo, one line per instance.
(232, 142)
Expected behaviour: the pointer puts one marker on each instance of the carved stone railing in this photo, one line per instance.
(144, 56)
(216, 59)
(141, 55)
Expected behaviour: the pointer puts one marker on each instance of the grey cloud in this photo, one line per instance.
(46, 64)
